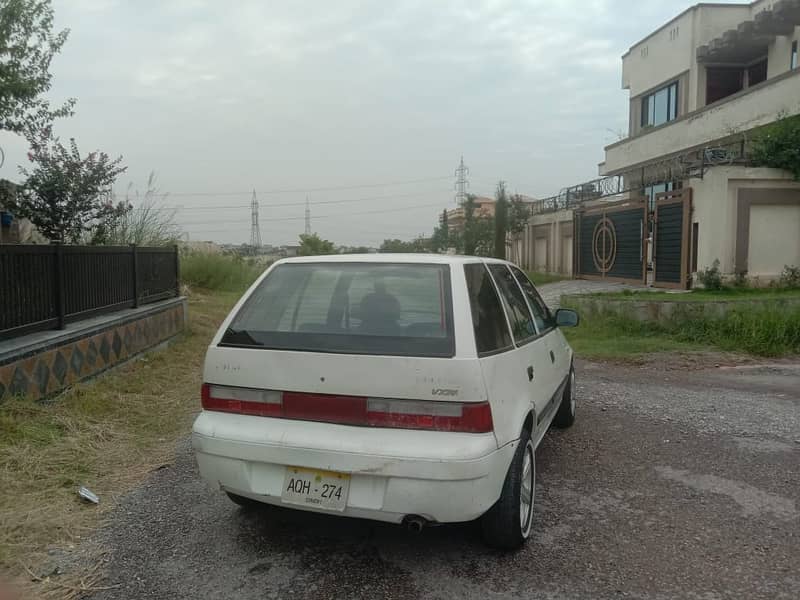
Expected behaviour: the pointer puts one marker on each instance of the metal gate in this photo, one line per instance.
(610, 242)
(671, 233)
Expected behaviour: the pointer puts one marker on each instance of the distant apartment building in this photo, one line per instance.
(699, 86)
(484, 207)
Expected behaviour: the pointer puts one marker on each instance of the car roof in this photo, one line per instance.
(444, 259)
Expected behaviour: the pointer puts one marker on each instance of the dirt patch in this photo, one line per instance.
(684, 361)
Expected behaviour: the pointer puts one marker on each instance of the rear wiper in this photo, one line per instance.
(239, 337)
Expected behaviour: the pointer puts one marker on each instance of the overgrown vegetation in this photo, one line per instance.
(225, 272)
(710, 277)
(778, 146)
(790, 277)
(769, 329)
(108, 434)
(147, 222)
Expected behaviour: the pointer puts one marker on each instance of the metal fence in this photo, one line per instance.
(679, 167)
(46, 287)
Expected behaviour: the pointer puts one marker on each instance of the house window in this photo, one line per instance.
(793, 64)
(722, 82)
(757, 73)
(661, 106)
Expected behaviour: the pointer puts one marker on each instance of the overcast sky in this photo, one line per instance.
(220, 98)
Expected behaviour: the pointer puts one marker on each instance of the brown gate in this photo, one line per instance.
(672, 221)
(610, 242)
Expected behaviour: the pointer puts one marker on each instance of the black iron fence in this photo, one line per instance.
(678, 167)
(46, 287)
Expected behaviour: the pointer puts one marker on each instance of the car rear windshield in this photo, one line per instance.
(358, 308)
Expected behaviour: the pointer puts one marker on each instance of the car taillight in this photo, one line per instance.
(467, 417)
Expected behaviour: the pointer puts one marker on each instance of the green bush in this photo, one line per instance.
(224, 272)
(767, 330)
(710, 277)
(790, 278)
(778, 146)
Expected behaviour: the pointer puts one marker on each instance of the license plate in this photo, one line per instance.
(319, 489)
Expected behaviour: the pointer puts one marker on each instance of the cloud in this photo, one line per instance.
(298, 93)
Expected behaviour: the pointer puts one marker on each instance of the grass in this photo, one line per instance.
(765, 330)
(542, 278)
(107, 434)
(726, 294)
(611, 337)
(219, 271)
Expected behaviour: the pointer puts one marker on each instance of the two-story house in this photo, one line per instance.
(700, 86)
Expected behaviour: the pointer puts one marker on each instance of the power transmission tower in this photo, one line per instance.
(308, 217)
(461, 182)
(255, 232)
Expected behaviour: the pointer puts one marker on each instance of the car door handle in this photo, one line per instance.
(530, 373)
(552, 357)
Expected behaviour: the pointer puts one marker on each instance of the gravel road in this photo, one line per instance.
(672, 484)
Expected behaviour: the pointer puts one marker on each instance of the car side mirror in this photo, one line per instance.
(566, 317)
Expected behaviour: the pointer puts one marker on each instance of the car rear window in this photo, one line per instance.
(358, 308)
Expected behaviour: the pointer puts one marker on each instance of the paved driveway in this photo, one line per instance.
(552, 292)
(671, 484)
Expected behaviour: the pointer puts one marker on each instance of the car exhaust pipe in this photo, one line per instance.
(415, 523)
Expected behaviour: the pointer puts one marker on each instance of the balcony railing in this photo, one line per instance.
(750, 108)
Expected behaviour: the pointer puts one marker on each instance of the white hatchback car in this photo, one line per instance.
(404, 388)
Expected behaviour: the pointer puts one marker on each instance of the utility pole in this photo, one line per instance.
(461, 182)
(308, 217)
(255, 232)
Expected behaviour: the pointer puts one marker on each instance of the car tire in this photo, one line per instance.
(565, 416)
(507, 524)
(244, 502)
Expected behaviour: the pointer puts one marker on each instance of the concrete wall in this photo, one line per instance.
(42, 364)
(716, 211)
(753, 107)
(546, 244)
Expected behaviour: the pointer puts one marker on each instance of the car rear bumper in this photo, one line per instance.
(441, 476)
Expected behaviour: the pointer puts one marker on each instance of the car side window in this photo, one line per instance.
(488, 318)
(522, 324)
(541, 314)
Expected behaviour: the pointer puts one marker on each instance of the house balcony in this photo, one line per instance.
(750, 108)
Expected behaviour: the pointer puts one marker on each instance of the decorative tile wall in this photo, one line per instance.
(58, 367)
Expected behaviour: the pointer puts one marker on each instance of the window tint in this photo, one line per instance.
(488, 318)
(522, 325)
(358, 308)
(541, 314)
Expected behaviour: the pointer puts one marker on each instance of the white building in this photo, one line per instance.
(699, 86)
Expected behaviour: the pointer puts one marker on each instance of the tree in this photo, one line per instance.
(27, 46)
(500, 221)
(518, 214)
(415, 246)
(440, 240)
(65, 195)
(313, 245)
(468, 237)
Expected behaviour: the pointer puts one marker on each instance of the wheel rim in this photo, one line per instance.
(526, 492)
(572, 392)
